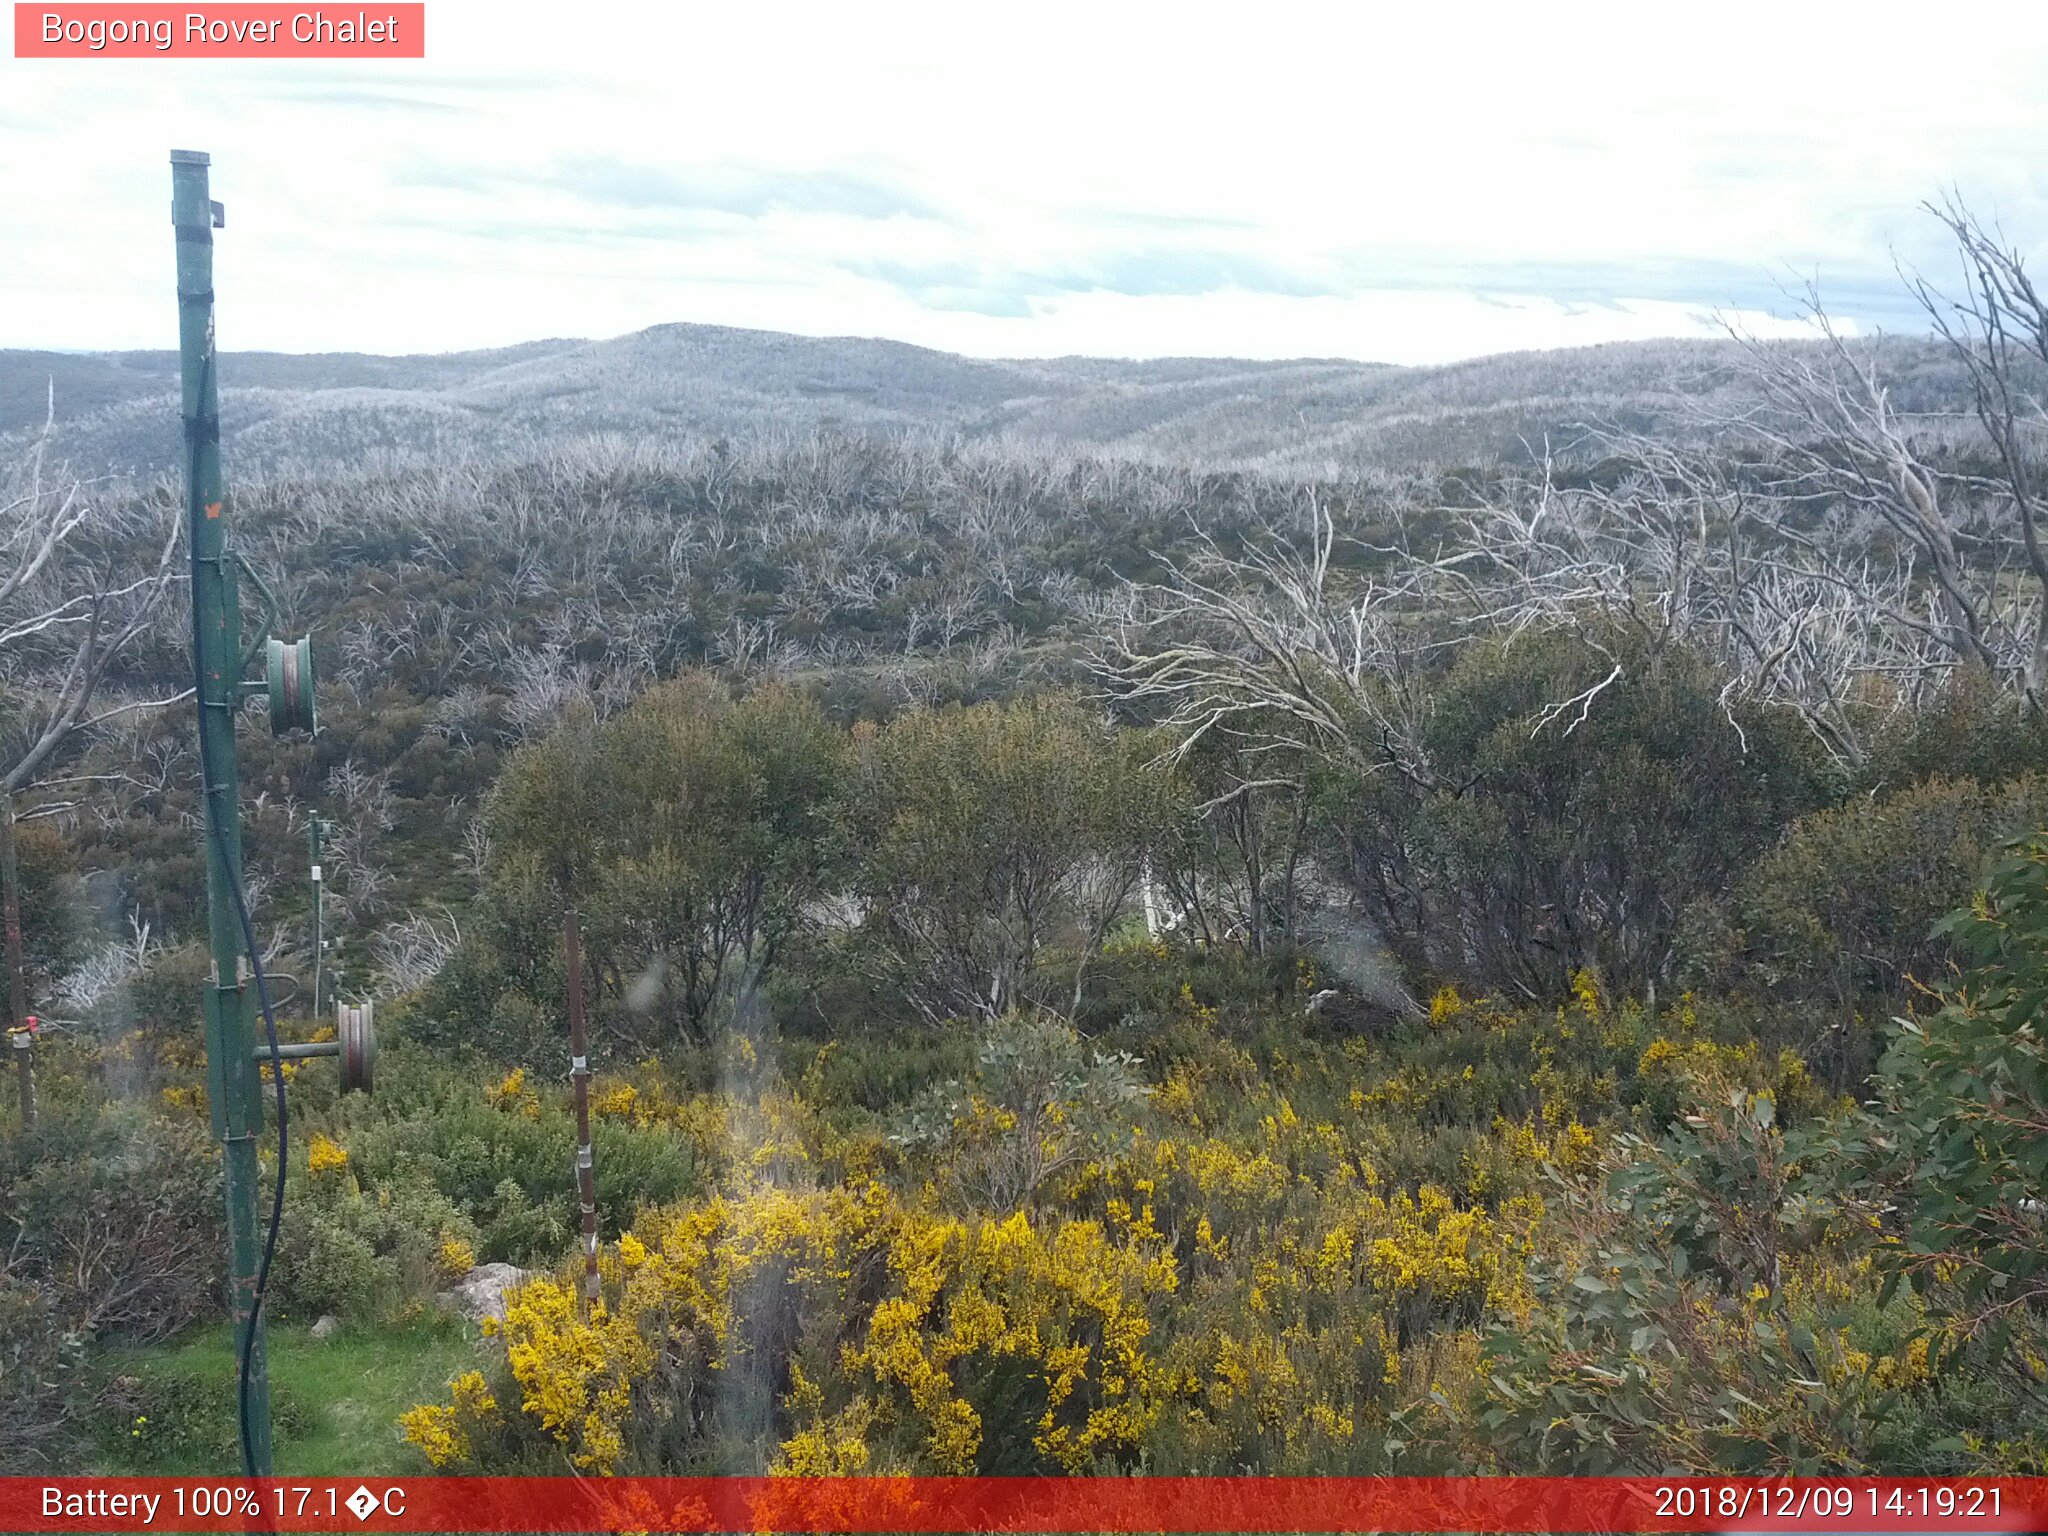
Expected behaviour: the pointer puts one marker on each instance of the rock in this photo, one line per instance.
(327, 1327)
(481, 1293)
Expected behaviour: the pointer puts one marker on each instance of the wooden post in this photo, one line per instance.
(579, 1079)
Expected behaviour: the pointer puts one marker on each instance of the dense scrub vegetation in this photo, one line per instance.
(1097, 966)
(920, 1148)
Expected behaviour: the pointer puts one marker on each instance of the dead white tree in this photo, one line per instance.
(1835, 445)
(1833, 553)
(1998, 329)
(1271, 647)
(365, 811)
(108, 968)
(73, 603)
(1684, 547)
(71, 606)
(411, 952)
(1282, 657)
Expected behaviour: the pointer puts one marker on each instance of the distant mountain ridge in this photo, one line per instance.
(117, 411)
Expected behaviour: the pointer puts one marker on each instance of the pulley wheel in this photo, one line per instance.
(289, 665)
(358, 1046)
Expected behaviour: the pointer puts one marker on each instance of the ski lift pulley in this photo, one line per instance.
(354, 1045)
(358, 1046)
(289, 665)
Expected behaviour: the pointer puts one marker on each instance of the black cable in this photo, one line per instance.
(247, 1349)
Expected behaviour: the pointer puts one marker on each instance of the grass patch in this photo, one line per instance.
(334, 1403)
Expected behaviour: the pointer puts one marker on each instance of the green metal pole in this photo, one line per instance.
(233, 1084)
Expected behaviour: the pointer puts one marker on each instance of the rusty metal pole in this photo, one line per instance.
(579, 1078)
(24, 1044)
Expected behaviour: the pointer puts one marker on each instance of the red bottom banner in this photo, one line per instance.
(1025, 1504)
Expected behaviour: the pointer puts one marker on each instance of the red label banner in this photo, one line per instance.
(231, 30)
(926, 1506)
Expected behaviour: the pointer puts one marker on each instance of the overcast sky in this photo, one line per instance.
(1265, 180)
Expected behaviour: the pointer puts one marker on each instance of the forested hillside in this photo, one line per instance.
(337, 412)
(1183, 917)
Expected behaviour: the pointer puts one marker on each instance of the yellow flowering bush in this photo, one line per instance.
(457, 1258)
(325, 1155)
(443, 1431)
(917, 1312)
(1296, 1254)
(189, 1100)
(512, 1093)
(436, 1430)
(1434, 1261)
(1069, 1299)
(1586, 992)
(1673, 1074)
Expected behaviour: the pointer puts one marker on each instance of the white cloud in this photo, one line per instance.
(1393, 327)
(1079, 165)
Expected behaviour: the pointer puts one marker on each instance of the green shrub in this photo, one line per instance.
(169, 1417)
(878, 1070)
(496, 1170)
(110, 1229)
(117, 1214)
(1972, 730)
(42, 1397)
(1673, 1342)
(162, 999)
(1842, 913)
(1965, 1101)
(54, 926)
(998, 847)
(361, 1253)
(1037, 1101)
(1540, 843)
(691, 829)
